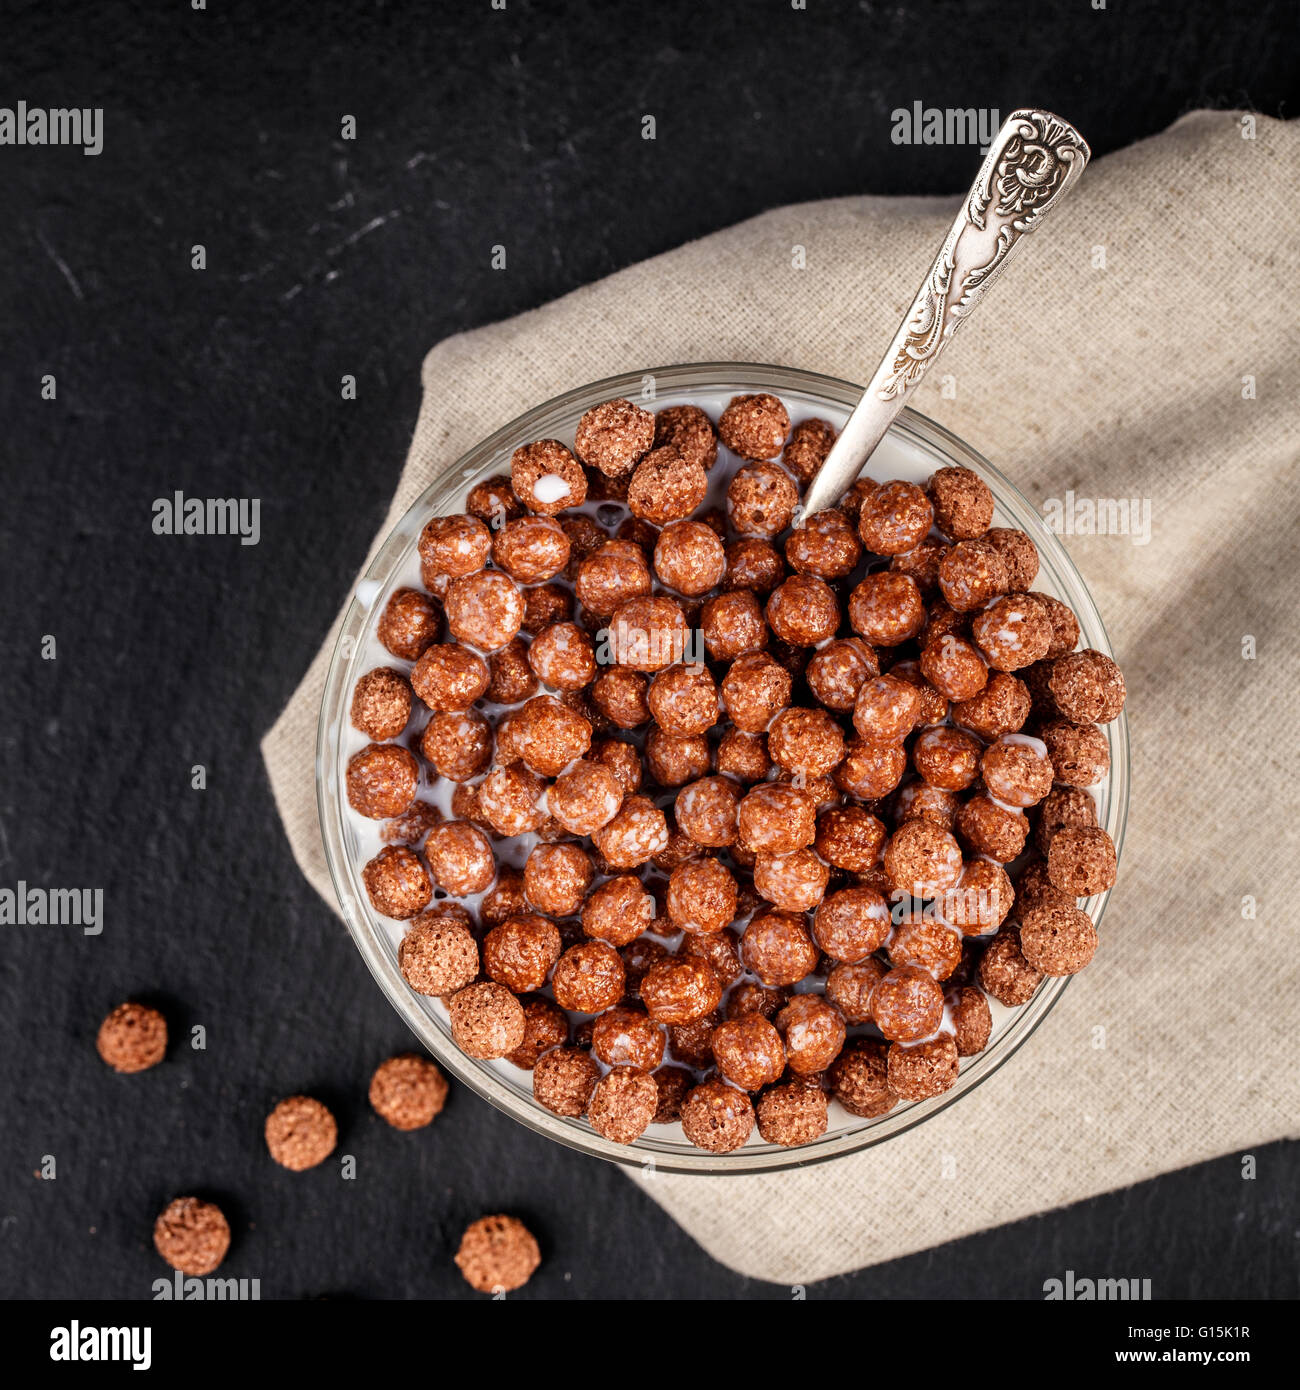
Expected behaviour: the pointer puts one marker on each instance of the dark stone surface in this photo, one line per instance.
(328, 257)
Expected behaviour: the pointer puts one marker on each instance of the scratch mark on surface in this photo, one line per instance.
(373, 225)
(61, 263)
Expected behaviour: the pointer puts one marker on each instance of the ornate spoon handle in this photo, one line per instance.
(1033, 160)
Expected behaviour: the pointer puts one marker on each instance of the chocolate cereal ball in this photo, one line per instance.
(886, 710)
(486, 1020)
(588, 978)
(776, 946)
(690, 431)
(837, 671)
(761, 499)
(1017, 770)
(1062, 808)
(458, 744)
(493, 501)
(673, 1083)
(804, 611)
(408, 624)
(850, 986)
(192, 1235)
(1005, 973)
(618, 911)
(859, 1078)
(689, 557)
(701, 896)
(870, 770)
(887, 608)
(1000, 708)
(585, 798)
(680, 989)
(382, 780)
(381, 704)
(947, 758)
(692, 1043)
(497, 1254)
(998, 831)
(954, 666)
(1020, 554)
(612, 436)
(556, 878)
(684, 700)
(520, 952)
(300, 1133)
(894, 518)
(460, 858)
(907, 1004)
(921, 801)
(647, 634)
(1013, 632)
(1065, 626)
(545, 604)
(794, 882)
(1088, 687)
(749, 1052)
(1057, 938)
(512, 679)
(549, 735)
(921, 565)
(397, 883)
(963, 504)
(754, 564)
(708, 811)
(531, 548)
(546, 477)
(1081, 861)
(636, 833)
(755, 427)
(732, 624)
(849, 837)
(666, 487)
(623, 1104)
(562, 657)
(717, 1117)
(408, 1091)
(484, 610)
(825, 545)
(813, 1031)
(981, 900)
(776, 817)
(851, 924)
(971, 1020)
(611, 575)
(451, 546)
(450, 677)
(754, 691)
(792, 1114)
(971, 575)
(921, 859)
(545, 1026)
(674, 759)
(921, 1070)
(920, 939)
(563, 1081)
(620, 695)
(806, 741)
(438, 955)
(627, 1037)
(132, 1038)
(1079, 752)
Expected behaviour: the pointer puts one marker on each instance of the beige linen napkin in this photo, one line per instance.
(1144, 346)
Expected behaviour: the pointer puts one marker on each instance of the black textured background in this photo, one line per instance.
(325, 257)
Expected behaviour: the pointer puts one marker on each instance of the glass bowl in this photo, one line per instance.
(914, 448)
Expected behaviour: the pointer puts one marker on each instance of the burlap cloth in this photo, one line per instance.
(1166, 371)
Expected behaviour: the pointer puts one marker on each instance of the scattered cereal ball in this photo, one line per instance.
(666, 487)
(804, 611)
(851, 923)
(776, 817)
(825, 545)
(761, 499)
(689, 557)
(940, 620)
(813, 1031)
(547, 478)
(1088, 687)
(923, 1070)
(971, 1020)
(458, 744)
(732, 624)
(381, 704)
(675, 759)
(717, 1117)
(1081, 861)
(886, 608)
(1020, 554)
(1042, 705)
(545, 604)
(971, 575)
(792, 1114)
(806, 741)
(626, 1037)
(1034, 888)
(692, 1043)
(512, 679)
(680, 989)
(954, 667)
(849, 837)
(1062, 808)
(504, 899)
(921, 565)
(907, 1004)
(408, 1091)
(618, 911)
(749, 1052)
(708, 811)
(556, 878)
(859, 1078)
(684, 700)
(638, 956)
(701, 896)
(497, 1254)
(382, 780)
(921, 940)
(748, 998)
(620, 695)
(690, 431)
(806, 449)
(588, 978)
(777, 948)
(300, 1133)
(397, 883)
(721, 949)
(636, 833)
(611, 575)
(980, 901)
(837, 672)
(922, 859)
(531, 548)
(563, 1081)
(460, 858)
(998, 831)
(1005, 973)
(921, 801)
(673, 1083)
(545, 1027)
(754, 564)
(1065, 626)
(520, 952)
(947, 758)
(1017, 770)
(548, 735)
(612, 436)
(450, 677)
(438, 955)
(1079, 752)
(132, 1038)
(870, 770)
(895, 517)
(621, 759)
(1058, 939)
(453, 546)
(623, 1104)
(755, 427)
(562, 657)
(493, 501)
(934, 704)
(485, 609)
(585, 798)
(192, 1235)
(1000, 708)
(1013, 632)
(886, 709)
(850, 986)
(754, 691)
(647, 633)
(408, 624)
(963, 504)
(487, 1021)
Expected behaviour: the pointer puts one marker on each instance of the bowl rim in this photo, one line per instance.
(652, 1156)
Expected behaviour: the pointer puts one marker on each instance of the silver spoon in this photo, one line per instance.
(1031, 163)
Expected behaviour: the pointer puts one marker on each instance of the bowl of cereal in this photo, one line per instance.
(693, 833)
